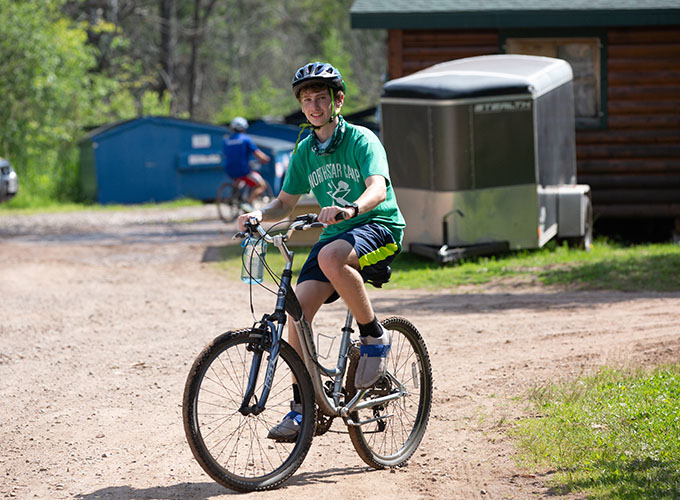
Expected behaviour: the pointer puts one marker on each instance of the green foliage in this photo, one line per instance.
(307, 31)
(44, 83)
(267, 101)
(50, 92)
(69, 65)
(613, 435)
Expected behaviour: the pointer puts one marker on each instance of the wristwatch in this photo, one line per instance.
(355, 207)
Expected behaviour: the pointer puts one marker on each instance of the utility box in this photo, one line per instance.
(482, 155)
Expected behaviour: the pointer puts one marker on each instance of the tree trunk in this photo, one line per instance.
(168, 32)
(197, 35)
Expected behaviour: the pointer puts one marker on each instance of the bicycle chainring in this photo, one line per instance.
(323, 423)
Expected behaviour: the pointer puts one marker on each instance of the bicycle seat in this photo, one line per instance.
(372, 275)
(377, 277)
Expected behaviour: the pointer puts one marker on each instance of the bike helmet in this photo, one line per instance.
(317, 72)
(239, 123)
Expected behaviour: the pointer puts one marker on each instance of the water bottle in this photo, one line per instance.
(254, 252)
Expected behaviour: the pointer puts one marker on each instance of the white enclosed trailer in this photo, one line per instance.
(482, 156)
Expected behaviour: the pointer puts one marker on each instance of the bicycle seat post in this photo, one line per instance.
(345, 344)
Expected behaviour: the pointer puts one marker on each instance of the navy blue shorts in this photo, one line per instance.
(375, 247)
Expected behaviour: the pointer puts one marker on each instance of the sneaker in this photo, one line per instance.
(372, 366)
(289, 428)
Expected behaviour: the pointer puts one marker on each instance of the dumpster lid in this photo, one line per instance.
(272, 143)
(482, 76)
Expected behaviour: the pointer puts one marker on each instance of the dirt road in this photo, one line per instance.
(101, 316)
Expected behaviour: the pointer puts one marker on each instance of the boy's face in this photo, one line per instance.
(316, 105)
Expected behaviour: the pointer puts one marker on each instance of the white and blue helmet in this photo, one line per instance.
(239, 124)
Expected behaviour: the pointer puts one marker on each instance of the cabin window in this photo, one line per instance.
(585, 56)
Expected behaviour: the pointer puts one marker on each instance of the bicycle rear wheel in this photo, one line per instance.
(232, 448)
(397, 427)
(268, 194)
(263, 199)
(228, 201)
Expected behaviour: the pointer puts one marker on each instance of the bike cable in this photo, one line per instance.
(275, 277)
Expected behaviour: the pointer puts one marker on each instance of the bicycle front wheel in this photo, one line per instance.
(232, 448)
(390, 433)
(228, 201)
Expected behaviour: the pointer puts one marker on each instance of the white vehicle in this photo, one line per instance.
(9, 184)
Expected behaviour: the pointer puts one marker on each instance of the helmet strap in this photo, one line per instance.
(303, 126)
(333, 114)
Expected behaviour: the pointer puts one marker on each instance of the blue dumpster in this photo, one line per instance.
(152, 159)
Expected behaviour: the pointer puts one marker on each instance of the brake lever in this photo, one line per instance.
(311, 220)
(306, 218)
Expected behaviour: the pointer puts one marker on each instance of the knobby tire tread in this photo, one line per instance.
(228, 206)
(190, 401)
(359, 440)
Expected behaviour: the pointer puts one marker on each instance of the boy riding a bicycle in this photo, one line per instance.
(238, 148)
(345, 167)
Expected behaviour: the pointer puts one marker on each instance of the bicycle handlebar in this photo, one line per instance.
(300, 223)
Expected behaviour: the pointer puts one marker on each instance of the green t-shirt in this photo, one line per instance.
(339, 178)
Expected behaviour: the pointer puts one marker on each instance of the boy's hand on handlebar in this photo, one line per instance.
(244, 218)
(333, 215)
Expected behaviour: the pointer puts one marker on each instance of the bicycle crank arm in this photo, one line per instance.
(351, 422)
(357, 404)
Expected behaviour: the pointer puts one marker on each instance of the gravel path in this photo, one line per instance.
(103, 313)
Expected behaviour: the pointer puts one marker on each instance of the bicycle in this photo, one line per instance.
(233, 395)
(232, 194)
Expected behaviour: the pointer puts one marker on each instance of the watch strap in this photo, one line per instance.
(355, 207)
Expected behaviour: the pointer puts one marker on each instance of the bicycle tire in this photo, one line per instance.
(233, 449)
(391, 441)
(263, 199)
(228, 201)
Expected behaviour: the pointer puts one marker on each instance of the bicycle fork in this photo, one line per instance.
(271, 326)
(258, 351)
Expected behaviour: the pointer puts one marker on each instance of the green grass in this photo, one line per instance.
(654, 267)
(56, 207)
(614, 435)
(611, 266)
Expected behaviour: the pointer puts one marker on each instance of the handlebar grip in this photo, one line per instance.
(307, 221)
(308, 218)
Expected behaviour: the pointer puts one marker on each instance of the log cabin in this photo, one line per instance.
(625, 57)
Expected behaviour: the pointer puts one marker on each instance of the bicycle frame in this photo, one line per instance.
(287, 302)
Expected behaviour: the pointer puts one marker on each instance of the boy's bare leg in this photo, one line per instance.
(340, 264)
(311, 294)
